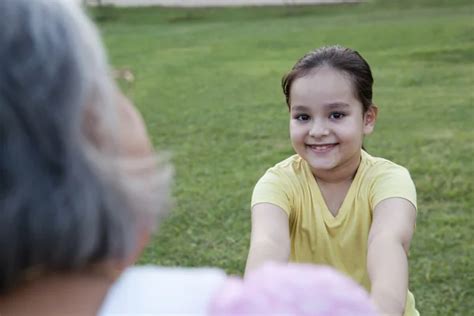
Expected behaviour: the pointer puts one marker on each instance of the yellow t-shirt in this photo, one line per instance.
(321, 238)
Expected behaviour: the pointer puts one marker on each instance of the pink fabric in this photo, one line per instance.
(292, 289)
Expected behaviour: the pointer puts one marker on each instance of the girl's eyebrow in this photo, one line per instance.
(336, 105)
(299, 108)
(330, 106)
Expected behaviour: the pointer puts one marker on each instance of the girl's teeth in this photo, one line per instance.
(321, 147)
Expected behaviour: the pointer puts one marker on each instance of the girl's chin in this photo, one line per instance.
(320, 163)
(321, 167)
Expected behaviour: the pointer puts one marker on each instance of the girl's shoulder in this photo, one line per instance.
(293, 167)
(380, 172)
(372, 165)
(381, 178)
(292, 164)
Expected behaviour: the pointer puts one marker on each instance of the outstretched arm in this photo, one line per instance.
(389, 240)
(270, 237)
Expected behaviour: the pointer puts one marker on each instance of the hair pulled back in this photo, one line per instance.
(346, 60)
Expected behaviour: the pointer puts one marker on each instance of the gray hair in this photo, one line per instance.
(65, 202)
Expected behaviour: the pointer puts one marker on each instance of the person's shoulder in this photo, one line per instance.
(148, 290)
(383, 179)
(377, 165)
(291, 166)
(175, 275)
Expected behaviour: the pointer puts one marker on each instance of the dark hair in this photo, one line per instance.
(340, 58)
(64, 205)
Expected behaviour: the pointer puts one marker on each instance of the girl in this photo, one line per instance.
(333, 203)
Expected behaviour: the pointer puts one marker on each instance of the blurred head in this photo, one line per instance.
(345, 60)
(79, 181)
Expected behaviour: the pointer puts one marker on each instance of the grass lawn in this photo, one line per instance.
(208, 85)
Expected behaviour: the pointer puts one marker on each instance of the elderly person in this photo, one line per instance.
(80, 185)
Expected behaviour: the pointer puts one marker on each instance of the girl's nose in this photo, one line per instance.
(318, 129)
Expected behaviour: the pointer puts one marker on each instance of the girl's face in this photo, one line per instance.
(327, 123)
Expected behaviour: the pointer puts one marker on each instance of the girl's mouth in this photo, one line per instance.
(322, 148)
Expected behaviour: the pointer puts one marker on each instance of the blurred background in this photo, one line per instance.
(207, 81)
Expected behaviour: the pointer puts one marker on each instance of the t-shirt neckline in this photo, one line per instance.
(329, 218)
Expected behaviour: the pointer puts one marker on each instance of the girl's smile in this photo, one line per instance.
(321, 148)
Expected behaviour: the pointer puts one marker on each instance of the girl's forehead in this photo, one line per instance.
(322, 85)
(326, 74)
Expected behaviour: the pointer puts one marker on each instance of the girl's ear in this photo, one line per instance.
(369, 119)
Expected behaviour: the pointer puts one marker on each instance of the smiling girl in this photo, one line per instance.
(332, 203)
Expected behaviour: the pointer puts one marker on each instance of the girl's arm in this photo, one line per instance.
(270, 237)
(389, 240)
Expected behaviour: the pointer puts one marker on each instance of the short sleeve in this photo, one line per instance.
(273, 188)
(392, 181)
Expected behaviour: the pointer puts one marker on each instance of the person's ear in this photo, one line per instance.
(133, 138)
(142, 240)
(370, 117)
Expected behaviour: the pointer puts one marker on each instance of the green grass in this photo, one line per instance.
(208, 85)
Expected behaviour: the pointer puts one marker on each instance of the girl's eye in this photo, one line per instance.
(302, 117)
(336, 115)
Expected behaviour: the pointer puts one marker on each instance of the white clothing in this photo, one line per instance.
(154, 290)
